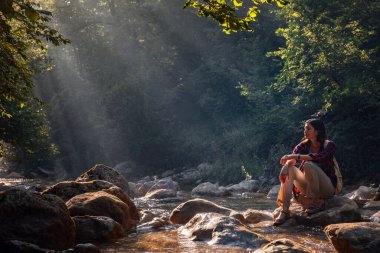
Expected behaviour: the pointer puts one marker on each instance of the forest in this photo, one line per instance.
(154, 85)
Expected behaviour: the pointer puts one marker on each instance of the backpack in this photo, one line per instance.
(338, 174)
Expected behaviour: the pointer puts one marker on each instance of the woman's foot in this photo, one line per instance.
(281, 218)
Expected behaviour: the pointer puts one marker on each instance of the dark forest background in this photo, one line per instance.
(158, 88)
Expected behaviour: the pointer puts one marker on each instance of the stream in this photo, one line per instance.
(167, 239)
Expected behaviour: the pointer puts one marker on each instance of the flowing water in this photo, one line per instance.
(167, 239)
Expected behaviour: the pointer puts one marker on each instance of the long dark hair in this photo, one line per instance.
(318, 125)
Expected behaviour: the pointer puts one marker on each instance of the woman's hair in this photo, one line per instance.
(319, 126)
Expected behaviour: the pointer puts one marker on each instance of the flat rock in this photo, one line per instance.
(187, 210)
(338, 210)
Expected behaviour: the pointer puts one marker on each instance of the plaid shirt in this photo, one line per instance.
(324, 159)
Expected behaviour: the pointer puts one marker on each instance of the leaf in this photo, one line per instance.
(238, 3)
(32, 15)
(22, 105)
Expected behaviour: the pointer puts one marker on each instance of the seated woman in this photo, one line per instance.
(315, 179)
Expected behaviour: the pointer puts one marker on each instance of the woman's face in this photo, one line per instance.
(309, 132)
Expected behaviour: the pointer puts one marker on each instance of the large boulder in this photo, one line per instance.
(220, 229)
(187, 210)
(103, 172)
(338, 210)
(210, 189)
(161, 194)
(35, 218)
(68, 189)
(244, 186)
(361, 237)
(102, 204)
(97, 229)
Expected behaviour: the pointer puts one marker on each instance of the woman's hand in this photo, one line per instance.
(285, 158)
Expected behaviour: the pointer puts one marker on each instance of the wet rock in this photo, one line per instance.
(376, 217)
(372, 205)
(161, 194)
(68, 189)
(149, 215)
(144, 185)
(244, 186)
(187, 210)
(97, 229)
(282, 245)
(219, 229)
(164, 183)
(83, 248)
(102, 204)
(209, 189)
(252, 216)
(155, 223)
(338, 210)
(273, 193)
(354, 237)
(35, 218)
(362, 193)
(103, 172)
(15, 246)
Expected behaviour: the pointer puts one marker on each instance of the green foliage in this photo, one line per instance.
(227, 13)
(24, 31)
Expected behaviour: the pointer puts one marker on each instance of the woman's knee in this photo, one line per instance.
(309, 165)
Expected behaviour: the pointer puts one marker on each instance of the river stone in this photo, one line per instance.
(220, 229)
(164, 183)
(97, 229)
(187, 210)
(282, 245)
(339, 209)
(83, 248)
(210, 189)
(376, 217)
(361, 237)
(273, 193)
(31, 217)
(103, 172)
(362, 193)
(68, 189)
(101, 204)
(161, 194)
(252, 216)
(244, 186)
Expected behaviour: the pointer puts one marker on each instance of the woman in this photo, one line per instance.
(315, 179)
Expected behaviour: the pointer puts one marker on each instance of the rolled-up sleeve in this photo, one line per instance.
(300, 149)
(326, 153)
